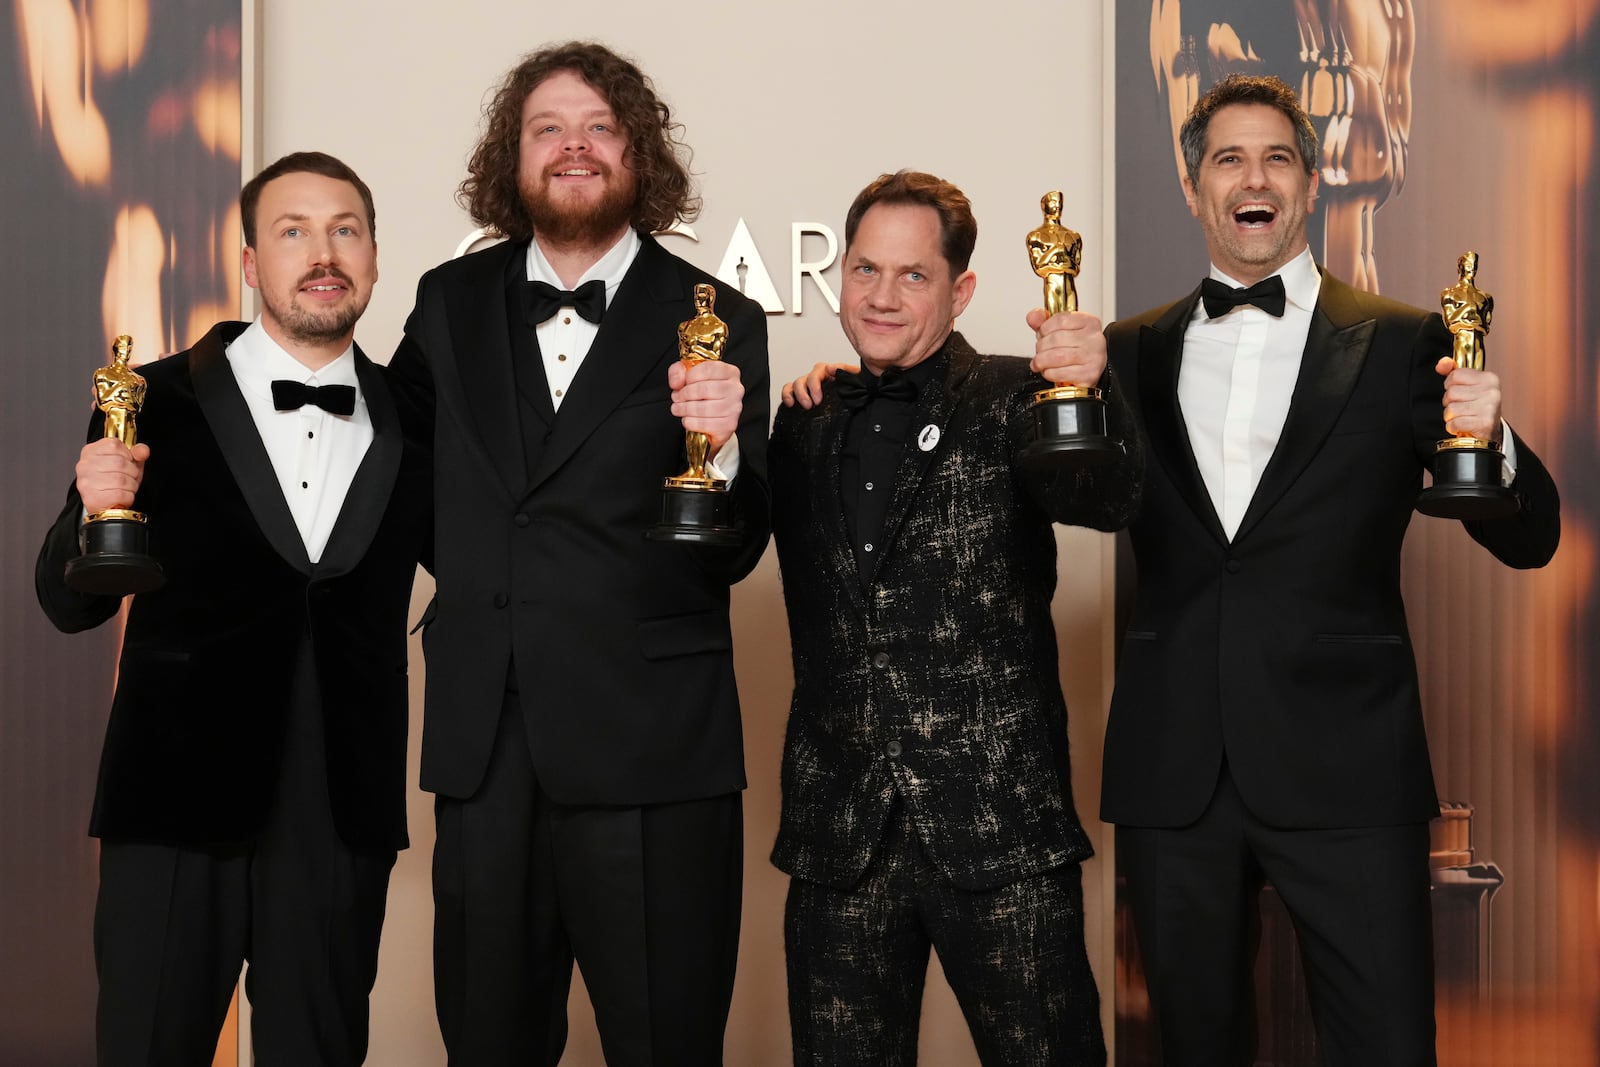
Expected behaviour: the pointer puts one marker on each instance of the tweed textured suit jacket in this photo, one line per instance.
(938, 682)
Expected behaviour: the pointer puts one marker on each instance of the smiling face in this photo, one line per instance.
(572, 169)
(314, 262)
(1252, 194)
(898, 299)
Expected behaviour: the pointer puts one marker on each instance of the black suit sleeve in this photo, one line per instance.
(1529, 538)
(1525, 540)
(752, 495)
(68, 610)
(1104, 497)
(410, 376)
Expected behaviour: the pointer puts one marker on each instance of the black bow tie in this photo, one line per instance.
(544, 300)
(858, 390)
(1221, 298)
(334, 399)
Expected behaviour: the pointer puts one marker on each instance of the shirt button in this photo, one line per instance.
(305, 485)
(877, 427)
(566, 320)
(522, 519)
(880, 660)
(869, 485)
(562, 357)
(867, 547)
(893, 749)
(558, 392)
(500, 600)
(311, 435)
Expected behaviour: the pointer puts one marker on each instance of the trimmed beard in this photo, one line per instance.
(307, 326)
(589, 224)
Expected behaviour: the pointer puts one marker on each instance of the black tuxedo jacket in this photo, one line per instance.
(621, 646)
(195, 740)
(939, 680)
(1285, 651)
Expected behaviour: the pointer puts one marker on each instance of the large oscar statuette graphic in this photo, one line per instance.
(695, 505)
(116, 558)
(1466, 470)
(1069, 421)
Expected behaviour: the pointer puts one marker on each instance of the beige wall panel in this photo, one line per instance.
(790, 110)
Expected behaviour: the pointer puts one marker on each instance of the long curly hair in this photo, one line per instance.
(656, 153)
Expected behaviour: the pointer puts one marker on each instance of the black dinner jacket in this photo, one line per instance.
(938, 680)
(621, 646)
(195, 740)
(1286, 651)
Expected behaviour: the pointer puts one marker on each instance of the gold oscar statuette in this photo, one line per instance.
(695, 505)
(116, 556)
(1467, 481)
(1069, 421)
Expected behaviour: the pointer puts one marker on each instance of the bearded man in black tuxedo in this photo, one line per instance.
(582, 726)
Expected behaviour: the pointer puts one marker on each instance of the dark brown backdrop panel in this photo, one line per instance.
(1498, 106)
(119, 126)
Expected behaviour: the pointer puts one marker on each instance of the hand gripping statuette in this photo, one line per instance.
(1069, 421)
(116, 556)
(1466, 470)
(695, 505)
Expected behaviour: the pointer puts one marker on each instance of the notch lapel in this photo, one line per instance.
(226, 413)
(934, 407)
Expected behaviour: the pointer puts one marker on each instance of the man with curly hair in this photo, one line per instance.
(582, 724)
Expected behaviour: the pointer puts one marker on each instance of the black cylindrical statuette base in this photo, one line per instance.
(695, 516)
(116, 560)
(1070, 433)
(1467, 485)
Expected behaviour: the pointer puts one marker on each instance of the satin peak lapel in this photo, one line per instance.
(1160, 356)
(1336, 350)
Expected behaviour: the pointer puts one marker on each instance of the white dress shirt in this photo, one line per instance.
(1235, 383)
(314, 453)
(1236, 380)
(566, 337)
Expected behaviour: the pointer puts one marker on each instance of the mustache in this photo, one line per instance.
(581, 161)
(324, 274)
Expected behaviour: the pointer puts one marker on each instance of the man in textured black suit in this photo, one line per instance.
(252, 786)
(1266, 722)
(927, 795)
(582, 728)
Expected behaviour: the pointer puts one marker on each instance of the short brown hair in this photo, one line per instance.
(490, 193)
(958, 230)
(1246, 89)
(301, 163)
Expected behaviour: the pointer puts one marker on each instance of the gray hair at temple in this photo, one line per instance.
(1246, 89)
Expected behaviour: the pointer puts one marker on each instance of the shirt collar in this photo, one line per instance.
(1301, 280)
(257, 361)
(609, 268)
